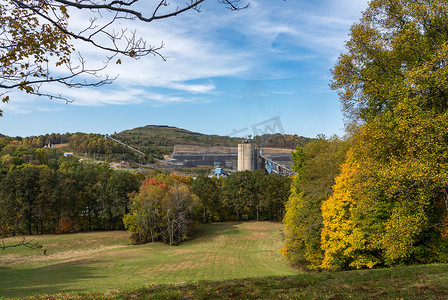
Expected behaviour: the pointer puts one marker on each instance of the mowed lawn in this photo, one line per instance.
(106, 261)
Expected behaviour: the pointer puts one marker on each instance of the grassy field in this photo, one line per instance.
(102, 262)
(222, 261)
(412, 282)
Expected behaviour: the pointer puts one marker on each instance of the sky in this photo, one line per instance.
(258, 70)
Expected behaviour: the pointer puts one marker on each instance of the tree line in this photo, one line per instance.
(243, 195)
(22, 150)
(384, 197)
(278, 140)
(74, 197)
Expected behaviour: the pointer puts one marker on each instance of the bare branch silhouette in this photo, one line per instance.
(36, 47)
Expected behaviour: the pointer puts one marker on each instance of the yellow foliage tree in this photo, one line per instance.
(343, 241)
(390, 202)
(317, 164)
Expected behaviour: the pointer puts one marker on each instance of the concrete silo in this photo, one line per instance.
(247, 157)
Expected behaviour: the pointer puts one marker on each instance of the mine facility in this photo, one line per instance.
(244, 157)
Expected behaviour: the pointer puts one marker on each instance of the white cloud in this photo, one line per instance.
(193, 60)
(202, 47)
(14, 108)
(321, 26)
(194, 88)
(104, 96)
(111, 95)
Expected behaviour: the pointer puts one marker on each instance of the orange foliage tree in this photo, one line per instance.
(161, 210)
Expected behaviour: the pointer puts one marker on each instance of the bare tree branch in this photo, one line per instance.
(117, 6)
(23, 242)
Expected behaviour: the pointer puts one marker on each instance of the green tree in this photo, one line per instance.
(112, 190)
(239, 194)
(20, 190)
(274, 193)
(47, 204)
(317, 164)
(259, 198)
(207, 191)
(397, 50)
(69, 210)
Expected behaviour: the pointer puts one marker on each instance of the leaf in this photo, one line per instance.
(63, 9)
(28, 89)
(118, 62)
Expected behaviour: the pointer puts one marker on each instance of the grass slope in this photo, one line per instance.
(413, 282)
(223, 261)
(104, 261)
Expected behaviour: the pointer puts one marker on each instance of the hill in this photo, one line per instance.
(166, 137)
(156, 141)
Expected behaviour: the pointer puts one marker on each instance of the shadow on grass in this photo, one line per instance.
(413, 282)
(56, 278)
(206, 232)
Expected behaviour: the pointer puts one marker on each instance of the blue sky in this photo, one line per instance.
(225, 71)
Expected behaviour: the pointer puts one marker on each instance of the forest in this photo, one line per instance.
(38, 199)
(42, 191)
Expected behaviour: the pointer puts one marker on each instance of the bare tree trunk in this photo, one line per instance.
(445, 196)
(168, 225)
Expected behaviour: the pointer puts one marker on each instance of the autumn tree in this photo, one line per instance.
(391, 192)
(389, 204)
(398, 49)
(316, 164)
(178, 213)
(161, 210)
(40, 46)
(144, 222)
